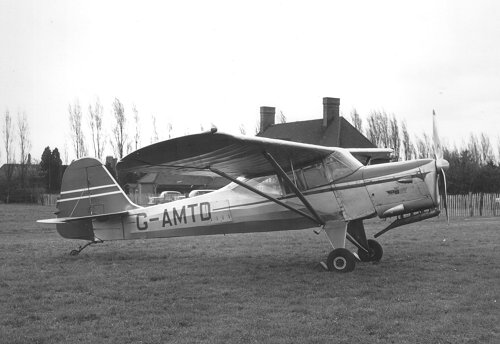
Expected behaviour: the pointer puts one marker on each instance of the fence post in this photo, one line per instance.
(471, 206)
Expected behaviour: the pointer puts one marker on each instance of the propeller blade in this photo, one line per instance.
(445, 196)
(438, 149)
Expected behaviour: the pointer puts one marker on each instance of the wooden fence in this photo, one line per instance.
(48, 199)
(480, 204)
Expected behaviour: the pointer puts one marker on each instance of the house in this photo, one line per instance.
(332, 130)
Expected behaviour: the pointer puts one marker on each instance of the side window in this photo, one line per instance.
(315, 176)
(298, 178)
(307, 178)
(269, 185)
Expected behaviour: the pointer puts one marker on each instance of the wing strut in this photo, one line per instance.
(297, 192)
(260, 193)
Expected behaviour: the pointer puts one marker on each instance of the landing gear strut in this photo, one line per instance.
(82, 247)
(374, 253)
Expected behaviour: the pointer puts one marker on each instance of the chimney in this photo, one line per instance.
(266, 117)
(330, 110)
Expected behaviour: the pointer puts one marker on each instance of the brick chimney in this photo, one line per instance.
(267, 114)
(330, 110)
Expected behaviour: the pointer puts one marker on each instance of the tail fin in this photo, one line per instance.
(88, 189)
(88, 192)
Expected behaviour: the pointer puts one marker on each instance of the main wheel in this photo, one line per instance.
(341, 260)
(375, 253)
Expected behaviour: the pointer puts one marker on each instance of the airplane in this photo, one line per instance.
(275, 185)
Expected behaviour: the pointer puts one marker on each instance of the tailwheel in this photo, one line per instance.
(81, 248)
(341, 260)
(375, 252)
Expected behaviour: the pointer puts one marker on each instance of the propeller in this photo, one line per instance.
(441, 165)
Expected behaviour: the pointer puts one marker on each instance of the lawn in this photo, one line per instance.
(435, 284)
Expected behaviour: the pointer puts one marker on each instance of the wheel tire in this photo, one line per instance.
(341, 260)
(375, 253)
(74, 253)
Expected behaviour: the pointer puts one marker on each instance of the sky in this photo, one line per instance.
(194, 64)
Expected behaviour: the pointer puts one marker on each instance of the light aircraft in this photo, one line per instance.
(275, 185)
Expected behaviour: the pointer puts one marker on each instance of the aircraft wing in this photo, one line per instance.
(234, 155)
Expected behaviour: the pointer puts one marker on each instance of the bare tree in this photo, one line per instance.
(498, 148)
(121, 142)
(474, 148)
(486, 149)
(8, 140)
(378, 129)
(356, 120)
(243, 130)
(65, 154)
(257, 126)
(24, 145)
(137, 135)
(394, 137)
(169, 130)
(424, 147)
(407, 145)
(282, 117)
(154, 138)
(75, 122)
(95, 122)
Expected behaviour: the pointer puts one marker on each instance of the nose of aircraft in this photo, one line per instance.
(442, 164)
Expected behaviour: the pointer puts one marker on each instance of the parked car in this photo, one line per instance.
(165, 197)
(195, 193)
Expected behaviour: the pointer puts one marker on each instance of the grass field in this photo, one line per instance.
(435, 284)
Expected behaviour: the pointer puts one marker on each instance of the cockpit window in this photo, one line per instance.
(315, 175)
(337, 165)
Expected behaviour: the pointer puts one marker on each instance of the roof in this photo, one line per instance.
(338, 134)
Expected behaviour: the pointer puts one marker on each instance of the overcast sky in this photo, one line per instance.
(193, 63)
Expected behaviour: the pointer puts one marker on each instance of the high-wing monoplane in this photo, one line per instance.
(275, 185)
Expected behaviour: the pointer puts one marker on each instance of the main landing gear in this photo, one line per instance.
(82, 247)
(374, 253)
(343, 260)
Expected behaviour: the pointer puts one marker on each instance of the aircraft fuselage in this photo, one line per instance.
(380, 190)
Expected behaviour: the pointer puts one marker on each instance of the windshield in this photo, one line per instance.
(340, 164)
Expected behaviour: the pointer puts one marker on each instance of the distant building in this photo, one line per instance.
(155, 182)
(332, 130)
